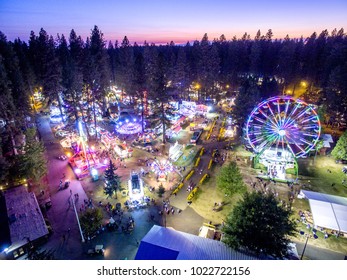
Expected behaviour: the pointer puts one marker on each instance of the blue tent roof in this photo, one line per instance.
(168, 244)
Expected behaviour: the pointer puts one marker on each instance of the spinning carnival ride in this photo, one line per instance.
(162, 169)
(281, 129)
(86, 161)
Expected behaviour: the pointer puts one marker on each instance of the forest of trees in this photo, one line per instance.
(72, 67)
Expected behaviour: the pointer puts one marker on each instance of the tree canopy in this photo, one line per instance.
(229, 180)
(340, 149)
(67, 69)
(112, 180)
(259, 224)
(91, 221)
(33, 163)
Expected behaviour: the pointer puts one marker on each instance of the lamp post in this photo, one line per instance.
(197, 87)
(78, 220)
(307, 235)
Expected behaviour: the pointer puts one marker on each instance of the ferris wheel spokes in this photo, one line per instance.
(284, 123)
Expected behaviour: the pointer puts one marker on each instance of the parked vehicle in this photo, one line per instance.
(66, 184)
(62, 157)
(98, 250)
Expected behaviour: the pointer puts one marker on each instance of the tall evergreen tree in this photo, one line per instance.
(230, 181)
(126, 57)
(155, 66)
(248, 96)
(259, 224)
(33, 163)
(340, 149)
(112, 181)
(75, 85)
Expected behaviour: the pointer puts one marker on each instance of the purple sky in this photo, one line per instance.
(161, 21)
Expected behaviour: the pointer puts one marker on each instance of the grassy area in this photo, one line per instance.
(207, 195)
(322, 175)
(313, 175)
(240, 151)
(333, 243)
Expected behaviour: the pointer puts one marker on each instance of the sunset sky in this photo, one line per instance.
(162, 21)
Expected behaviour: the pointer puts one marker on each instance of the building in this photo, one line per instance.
(327, 143)
(168, 244)
(21, 220)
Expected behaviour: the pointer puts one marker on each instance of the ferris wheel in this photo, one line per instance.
(283, 122)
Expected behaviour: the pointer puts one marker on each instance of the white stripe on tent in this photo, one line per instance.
(328, 211)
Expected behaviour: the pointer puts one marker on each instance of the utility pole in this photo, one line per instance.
(303, 251)
(78, 220)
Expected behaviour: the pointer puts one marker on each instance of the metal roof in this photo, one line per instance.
(168, 244)
(25, 218)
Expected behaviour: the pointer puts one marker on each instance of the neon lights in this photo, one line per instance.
(283, 121)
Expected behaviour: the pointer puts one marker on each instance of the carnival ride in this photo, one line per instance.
(122, 150)
(128, 124)
(279, 130)
(107, 139)
(85, 160)
(135, 185)
(161, 169)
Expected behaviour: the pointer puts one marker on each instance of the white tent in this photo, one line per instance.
(327, 140)
(328, 211)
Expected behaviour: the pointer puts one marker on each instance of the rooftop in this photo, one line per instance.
(168, 244)
(25, 219)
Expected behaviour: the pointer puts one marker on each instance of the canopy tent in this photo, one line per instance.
(168, 244)
(327, 140)
(328, 211)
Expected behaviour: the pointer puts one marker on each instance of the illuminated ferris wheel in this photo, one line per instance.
(283, 122)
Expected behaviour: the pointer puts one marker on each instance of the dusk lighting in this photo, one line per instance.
(173, 130)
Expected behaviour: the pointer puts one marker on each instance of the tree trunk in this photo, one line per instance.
(83, 117)
(59, 103)
(294, 87)
(163, 121)
(14, 150)
(94, 115)
(142, 114)
(75, 107)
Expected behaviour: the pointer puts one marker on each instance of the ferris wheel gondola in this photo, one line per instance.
(283, 122)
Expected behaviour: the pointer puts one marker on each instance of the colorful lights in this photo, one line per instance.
(162, 169)
(129, 128)
(284, 123)
(281, 132)
(94, 172)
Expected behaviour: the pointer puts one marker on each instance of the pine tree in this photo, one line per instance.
(112, 181)
(33, 163)
(91, 221)
(180, 77)
(126, 58)
(96, 73)
(340, 150)
(75, 80)
(230, 180)
(260, 225)
(156, 81)
(246, 99)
